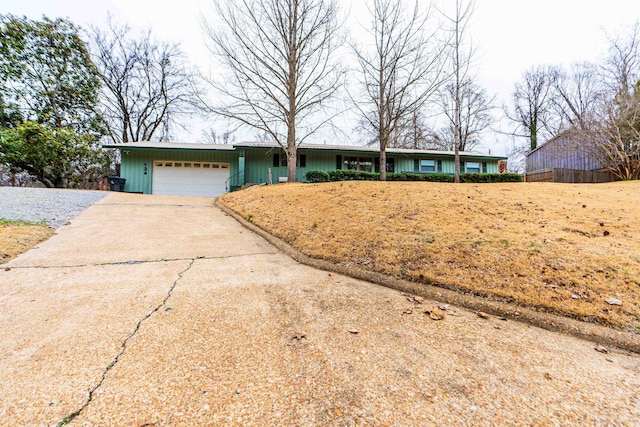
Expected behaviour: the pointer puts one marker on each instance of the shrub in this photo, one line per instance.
(490, 177)
(408, 176)
(317, 176)
(354, 175)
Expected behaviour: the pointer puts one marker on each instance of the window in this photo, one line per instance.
(390, 165)
(427, 165)
(472, 167)
(358, 163)
(280, 160)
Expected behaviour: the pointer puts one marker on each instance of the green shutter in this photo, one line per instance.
(484, 167)
(338, 162)
(303, 161)
(416, 165)
(276, 160)
(439, 167)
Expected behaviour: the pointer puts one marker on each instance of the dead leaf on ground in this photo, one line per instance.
(444, 307)
(483, 315)
(353, 331)
(298, 336)
(434, 315)
(7, 269)
(613, 301)
(407, 311)
(414, 298)
(601, 349)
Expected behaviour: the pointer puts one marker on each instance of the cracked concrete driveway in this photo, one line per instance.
(154, 311)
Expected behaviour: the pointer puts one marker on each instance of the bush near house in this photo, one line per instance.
(354, 175)
(317, 176)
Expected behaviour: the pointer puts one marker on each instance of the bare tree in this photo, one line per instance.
(613, 139)
(211, 136)
(147, 86)
(621, 68)
(461, 57)
(577, 93)
(532, 111)
(468, 117)
(412, 132)
(401, 72)
(279, 66)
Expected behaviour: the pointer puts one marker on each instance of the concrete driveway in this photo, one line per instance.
(160, 311)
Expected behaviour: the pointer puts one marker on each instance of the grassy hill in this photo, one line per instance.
(564, 248)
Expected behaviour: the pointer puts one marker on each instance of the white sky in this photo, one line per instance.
(511, 35)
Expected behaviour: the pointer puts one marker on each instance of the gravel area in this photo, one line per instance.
(54, 207)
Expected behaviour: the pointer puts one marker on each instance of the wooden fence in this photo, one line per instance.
(569, 176)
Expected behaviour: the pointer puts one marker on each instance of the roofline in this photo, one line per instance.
(168, 146)
(563, 134)
(367, 149)
(345, 148)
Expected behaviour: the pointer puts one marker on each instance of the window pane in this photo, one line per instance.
(366, 165)
(350, 163)
(473, 167)
(427, 165)
(390, 165)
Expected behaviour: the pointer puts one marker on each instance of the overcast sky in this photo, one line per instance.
(511, 35)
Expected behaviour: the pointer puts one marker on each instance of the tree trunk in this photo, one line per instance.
(291, 151)
(384, 140)
(291, 164)
(456, 158)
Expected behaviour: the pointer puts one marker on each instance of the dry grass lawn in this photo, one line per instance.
(18, 237)
(562, 248)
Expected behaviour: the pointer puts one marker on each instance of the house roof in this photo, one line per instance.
(305, 146)
(170, 146)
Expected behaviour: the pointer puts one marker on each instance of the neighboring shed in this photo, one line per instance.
(562, 159)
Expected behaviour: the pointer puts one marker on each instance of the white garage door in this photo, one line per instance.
(201, 179)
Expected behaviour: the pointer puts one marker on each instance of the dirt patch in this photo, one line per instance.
(16, 238)
(560, 248)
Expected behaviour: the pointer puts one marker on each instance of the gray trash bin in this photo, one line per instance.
(116, 183)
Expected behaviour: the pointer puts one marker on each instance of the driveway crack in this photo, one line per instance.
(131, 262)
(69, 418)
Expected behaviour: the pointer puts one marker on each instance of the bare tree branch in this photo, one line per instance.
(532, 110)
(147, 86)
(279, 68)
(402, 71)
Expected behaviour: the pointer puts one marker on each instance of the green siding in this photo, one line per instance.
(251, 165)
(137, 164)
(260, 160)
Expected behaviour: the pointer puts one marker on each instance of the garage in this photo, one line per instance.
(199, 179)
